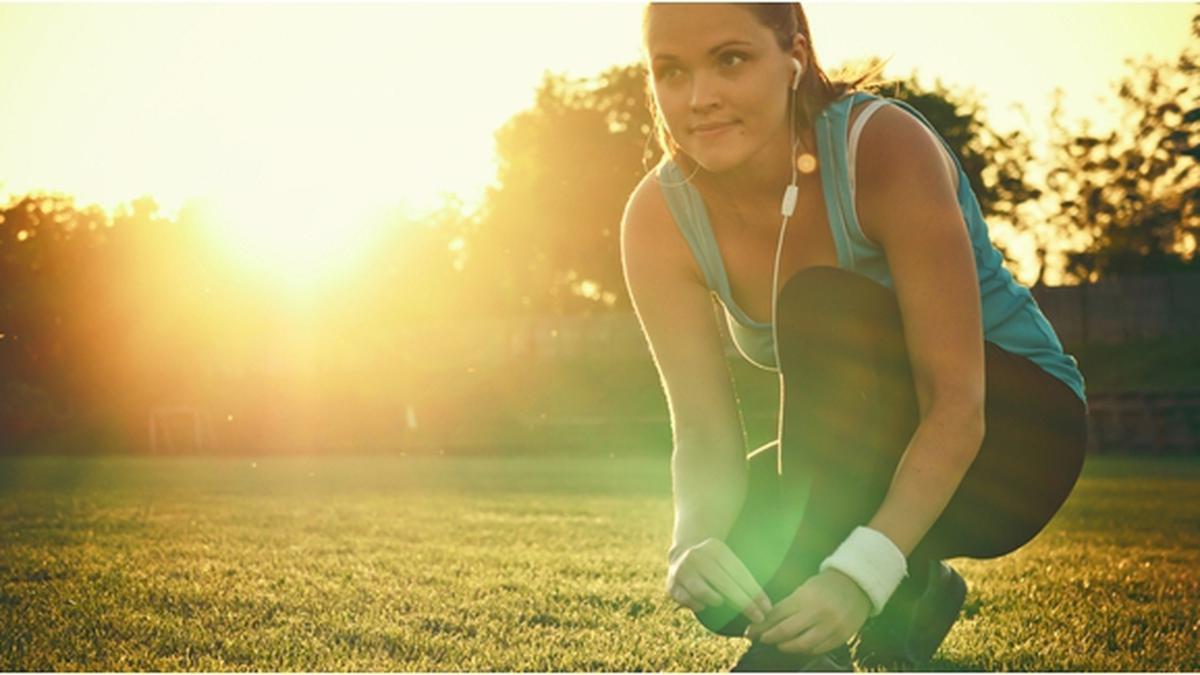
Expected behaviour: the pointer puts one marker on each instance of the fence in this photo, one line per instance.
(1119, 310)
(1111, 311)
(1145, 423)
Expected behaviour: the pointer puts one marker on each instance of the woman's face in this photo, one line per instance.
(720, 80)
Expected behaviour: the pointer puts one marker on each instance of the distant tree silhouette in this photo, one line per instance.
(548, 233)
(1133, 196)
(97, 310)
(46, 243)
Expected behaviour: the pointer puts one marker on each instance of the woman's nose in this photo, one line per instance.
(704, 92)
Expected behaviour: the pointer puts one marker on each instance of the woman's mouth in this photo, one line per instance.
(712, 129)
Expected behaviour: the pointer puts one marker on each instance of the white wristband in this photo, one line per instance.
(873, 562)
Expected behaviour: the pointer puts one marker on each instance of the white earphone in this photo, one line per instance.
(785, 209)
(789, 196)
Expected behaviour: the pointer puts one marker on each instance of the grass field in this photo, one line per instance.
(440, 563)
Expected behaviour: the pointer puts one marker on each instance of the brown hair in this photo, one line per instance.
(816, 90)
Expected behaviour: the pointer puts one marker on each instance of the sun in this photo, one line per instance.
(295, 237)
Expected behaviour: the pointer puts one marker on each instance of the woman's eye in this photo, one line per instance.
(667, 72)
(732, 58)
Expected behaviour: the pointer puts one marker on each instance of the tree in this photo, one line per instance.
(548, 234)
(46, 243)
(1132, 197)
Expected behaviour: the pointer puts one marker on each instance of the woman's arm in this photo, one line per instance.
(910, 208)
(708, 463)
(907, 204)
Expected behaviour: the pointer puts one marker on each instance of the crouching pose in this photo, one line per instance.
(928, 410)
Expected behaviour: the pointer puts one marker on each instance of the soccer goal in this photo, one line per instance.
(180, 428)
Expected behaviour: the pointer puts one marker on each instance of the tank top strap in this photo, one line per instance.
(855, 133)
(688, 210)
(832, 129)
(689, 216)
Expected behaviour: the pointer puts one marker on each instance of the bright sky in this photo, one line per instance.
(336, 107)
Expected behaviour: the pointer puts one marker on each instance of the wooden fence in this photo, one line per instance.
(1120, 310)
(1112, 311)
(1145, 423)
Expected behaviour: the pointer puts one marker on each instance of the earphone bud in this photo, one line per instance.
(799, 72)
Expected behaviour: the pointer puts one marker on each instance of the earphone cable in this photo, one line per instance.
(787, 214)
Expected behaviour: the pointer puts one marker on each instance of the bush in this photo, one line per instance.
(26, 410)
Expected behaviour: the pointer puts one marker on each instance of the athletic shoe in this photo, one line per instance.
(905, 637)
(764, 658)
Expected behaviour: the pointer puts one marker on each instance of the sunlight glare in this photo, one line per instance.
(294, 236)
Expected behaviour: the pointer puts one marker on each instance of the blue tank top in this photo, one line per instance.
(1011, 317)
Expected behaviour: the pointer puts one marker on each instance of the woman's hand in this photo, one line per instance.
(707, 574)
(820, 615)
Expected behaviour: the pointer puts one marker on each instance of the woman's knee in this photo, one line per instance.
(827, 306)
(830, 288)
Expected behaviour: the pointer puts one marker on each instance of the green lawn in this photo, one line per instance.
(440, 563)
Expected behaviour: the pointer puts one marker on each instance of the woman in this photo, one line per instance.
(927, 408)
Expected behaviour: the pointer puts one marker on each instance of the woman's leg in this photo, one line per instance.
(1029, 460)
(848, 411)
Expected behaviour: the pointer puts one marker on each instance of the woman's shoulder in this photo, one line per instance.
(648, 224)
(893, 133)
(895, 152)
(646, 208)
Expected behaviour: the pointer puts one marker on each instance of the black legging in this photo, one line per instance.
(848, 411)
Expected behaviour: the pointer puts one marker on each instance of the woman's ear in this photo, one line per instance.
(800, 49)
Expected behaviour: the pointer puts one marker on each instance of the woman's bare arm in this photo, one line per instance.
(675, 308)
(909, 206)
